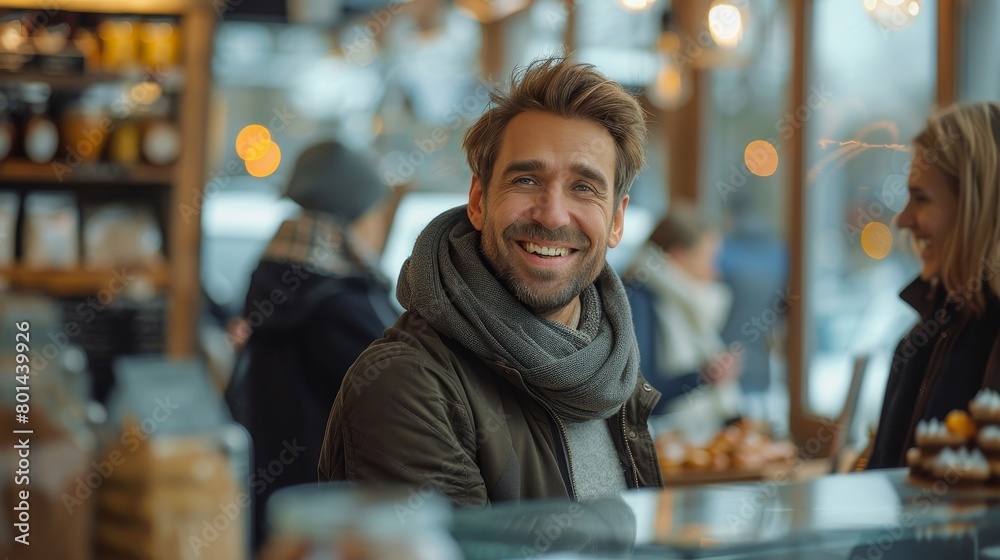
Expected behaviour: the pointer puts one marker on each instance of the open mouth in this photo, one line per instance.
(545, 251)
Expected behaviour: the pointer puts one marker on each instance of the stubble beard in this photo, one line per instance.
(586, 273)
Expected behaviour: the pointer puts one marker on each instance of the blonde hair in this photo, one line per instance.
(963, 142)
(570, 90)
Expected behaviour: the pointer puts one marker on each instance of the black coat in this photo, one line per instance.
(308, 328)
(939, 366)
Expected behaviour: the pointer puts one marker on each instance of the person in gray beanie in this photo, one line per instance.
(330, 178)
(315, 302)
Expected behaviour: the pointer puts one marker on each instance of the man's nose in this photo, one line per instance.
(551, 208)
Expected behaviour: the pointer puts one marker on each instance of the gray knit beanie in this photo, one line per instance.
(330, 178)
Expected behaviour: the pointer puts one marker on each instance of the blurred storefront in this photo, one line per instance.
(787, 123)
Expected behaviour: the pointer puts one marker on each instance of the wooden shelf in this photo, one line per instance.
(157, 7)
(58, 171)
(170, 81)
(83, 281)
(188, 85)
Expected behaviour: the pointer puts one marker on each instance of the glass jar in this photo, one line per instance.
(45, 459)
(338, 522)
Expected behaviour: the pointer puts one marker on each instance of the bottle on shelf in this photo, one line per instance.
(8, 131)
(41, 136)
(84, 130)
(119, 45)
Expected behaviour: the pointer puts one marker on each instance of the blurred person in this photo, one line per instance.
(753, 263)
(679, 308)
(315, 302)
(953, 216)
(513, 374)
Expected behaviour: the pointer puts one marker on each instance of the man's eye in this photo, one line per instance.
(584, 188)
(525, 180)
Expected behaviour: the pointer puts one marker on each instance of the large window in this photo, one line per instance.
(871, 87)
(744, 103)
(980, 43)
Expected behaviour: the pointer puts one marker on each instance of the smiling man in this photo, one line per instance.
(514, 373)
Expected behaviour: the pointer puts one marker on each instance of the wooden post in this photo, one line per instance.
(682, 126)
(947, 53)
(197, 26)
(492, 54)
(806, 429)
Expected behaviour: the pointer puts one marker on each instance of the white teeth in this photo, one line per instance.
(923, 243)
(546, 251)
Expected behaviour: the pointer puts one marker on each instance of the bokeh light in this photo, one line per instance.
(725, 23)
(761, 158)
(146, 93)
(876, 240)
(637, 5)
(253, 142)
(892, 15)
(267, 164)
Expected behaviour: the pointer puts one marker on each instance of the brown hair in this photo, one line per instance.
(570, 90)
(963, 142)
(681, 228)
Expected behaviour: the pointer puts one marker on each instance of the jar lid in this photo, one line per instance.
(319, 512)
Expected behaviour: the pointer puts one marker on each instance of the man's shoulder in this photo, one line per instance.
(410, 353)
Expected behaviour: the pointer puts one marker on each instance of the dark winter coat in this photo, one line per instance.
(462, 426)
(938, 367)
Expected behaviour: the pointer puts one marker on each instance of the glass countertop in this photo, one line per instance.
(873, 515)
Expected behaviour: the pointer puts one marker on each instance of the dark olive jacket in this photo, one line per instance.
(419, 409)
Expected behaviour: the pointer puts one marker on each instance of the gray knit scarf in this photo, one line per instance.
(581, 377)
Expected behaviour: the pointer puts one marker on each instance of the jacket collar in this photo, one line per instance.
(923, 296)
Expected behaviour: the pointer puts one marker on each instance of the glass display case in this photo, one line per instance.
(864, 515)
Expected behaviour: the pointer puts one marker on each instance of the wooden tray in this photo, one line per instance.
(956, 492)
(803, 470)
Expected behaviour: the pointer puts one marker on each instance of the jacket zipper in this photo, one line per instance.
(933, 374)
(565, 442)
(628, 449)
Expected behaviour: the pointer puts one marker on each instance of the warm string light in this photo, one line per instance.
(725, 23)
(637, 5)
(825, 143)
(892, 14)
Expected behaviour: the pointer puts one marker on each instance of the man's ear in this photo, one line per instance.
(476, 201)
(617, 224)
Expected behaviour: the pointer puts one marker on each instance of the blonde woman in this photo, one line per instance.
(953, 215)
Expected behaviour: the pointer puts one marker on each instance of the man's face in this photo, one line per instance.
(548, 216)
